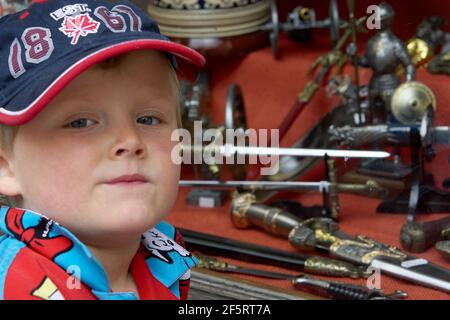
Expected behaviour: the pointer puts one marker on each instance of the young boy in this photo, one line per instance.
(88, 102)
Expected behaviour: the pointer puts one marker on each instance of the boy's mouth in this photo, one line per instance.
(128, 179)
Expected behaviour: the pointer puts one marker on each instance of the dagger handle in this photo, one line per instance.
(348, 292)
(418, 237)
(337, 290)
(246, 212)
(345, 291)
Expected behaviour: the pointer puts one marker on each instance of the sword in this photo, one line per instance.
(334, 289)
(256, 185)
(324, 234)
(357, 136)
(371, 187)
(229, 150)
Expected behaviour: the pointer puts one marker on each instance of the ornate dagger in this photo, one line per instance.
(324, 234)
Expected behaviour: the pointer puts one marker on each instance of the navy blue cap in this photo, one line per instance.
(51, 42)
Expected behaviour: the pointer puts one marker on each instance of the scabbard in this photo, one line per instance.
(215, 245)
(244, 251)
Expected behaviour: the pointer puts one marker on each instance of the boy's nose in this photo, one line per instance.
(127, 144)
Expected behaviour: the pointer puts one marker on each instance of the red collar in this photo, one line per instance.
(149, 288)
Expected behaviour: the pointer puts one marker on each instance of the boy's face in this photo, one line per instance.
(105, 124)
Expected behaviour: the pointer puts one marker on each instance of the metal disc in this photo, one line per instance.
(426, 135)
(195, 101)
(235, 118)
(334, 21)
(275, 30)
(411, 101)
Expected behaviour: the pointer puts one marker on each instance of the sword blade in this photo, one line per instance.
(256, 185)
(416, 270)
(229, 150)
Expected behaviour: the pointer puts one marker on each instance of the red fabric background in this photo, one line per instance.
(269, 88)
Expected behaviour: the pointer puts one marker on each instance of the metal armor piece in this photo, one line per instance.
(387, 15)
(411, 101)
(430, 31)
(384, 53)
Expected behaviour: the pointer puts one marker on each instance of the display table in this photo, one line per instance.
(269, 89)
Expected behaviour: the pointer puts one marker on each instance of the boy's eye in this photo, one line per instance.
(80, 123)
(148, 120)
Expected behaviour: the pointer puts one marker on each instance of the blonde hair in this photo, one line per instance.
(8, 133)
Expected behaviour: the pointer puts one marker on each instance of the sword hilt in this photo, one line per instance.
(358, 136)
(246, 212)
(345, 291)
(324, 234)
(334, 189)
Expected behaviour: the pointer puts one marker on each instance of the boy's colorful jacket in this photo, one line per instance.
(40, 259)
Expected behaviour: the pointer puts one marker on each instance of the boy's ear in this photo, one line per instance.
(9, 186)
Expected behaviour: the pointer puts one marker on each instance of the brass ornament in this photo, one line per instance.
(411, 101)
(364, 250)
(419, 51)
(333, 268)
(239, 207)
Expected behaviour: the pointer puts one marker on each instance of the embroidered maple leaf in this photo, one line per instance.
(80, 25)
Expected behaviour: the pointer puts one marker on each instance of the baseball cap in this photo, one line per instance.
(45, 46)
